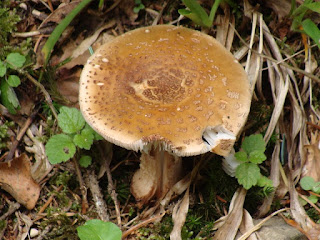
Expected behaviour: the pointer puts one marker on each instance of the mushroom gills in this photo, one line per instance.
(219, 140)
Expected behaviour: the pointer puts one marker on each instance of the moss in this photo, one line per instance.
(62, 227)
(8, 21)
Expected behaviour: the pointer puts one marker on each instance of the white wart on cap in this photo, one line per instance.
(168, 85)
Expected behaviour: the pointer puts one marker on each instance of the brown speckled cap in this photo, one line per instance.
(165, 85)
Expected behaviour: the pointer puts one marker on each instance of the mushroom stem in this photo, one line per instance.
(159, 171)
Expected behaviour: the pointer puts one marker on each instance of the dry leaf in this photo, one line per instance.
(304, 222)
(24, 226)
(247, 224)
(16, 179)
(79, 51)
(311, 167)
(60, 13)
(275, 177)
(233, 220)
(42, 166)
(179, 215)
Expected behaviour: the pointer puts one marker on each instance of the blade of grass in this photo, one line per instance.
(313, 6)
(198, 11)
(214, 10)
(312, 30)
(55, 35)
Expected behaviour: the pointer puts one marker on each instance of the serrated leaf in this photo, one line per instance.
(98, 230)
(307, 183)
(8, 97)
(248, 174)
(96, 135)
(241, 156)
(14, 81)
(85, 161)
(312, 30)
(263, 181)
(60, 148)
(84, 139)
(3, 69)
(70, 120)
(16, 60)
(257, 157)
(253, 143)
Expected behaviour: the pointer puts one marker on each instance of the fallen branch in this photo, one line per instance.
(92, 183)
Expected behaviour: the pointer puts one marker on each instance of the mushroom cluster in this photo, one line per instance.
(168, 92)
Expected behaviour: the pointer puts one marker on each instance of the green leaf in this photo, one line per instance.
(70, 120)
(84, 139)
(99, 230)
(263, 181)
(96, 135)
(196, 13)
(253, 143)
(313, 6)
(13, 81)
(3, 69)
(194, 17)
(214, 9)
(16, 60)
(316, 188)
(302, 201)
(8, 97)
(248, 174)
(85, 161)
(312, 30)
(307, 183)
(257, 157)
(313, 198)
(241, 156)
(60, 148)
(55, 35)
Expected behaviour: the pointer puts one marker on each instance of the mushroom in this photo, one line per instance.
(168, 92)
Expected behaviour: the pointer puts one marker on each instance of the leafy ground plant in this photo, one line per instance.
(99, 230)
(252, 153)
(198, 14)
(76, 133)
(306, 25)
(13, 62)
(309, 184)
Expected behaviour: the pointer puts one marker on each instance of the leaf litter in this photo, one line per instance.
(290, 92)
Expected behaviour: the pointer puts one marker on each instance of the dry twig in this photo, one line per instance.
(84, 205)
(144, 223)
(19, 136)
(111, 188)
(92, 183)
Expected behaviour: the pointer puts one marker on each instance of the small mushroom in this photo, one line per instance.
(168, 92)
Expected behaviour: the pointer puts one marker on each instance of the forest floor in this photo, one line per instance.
(278, 47)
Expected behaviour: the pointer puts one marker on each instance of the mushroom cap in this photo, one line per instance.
(165, 85)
